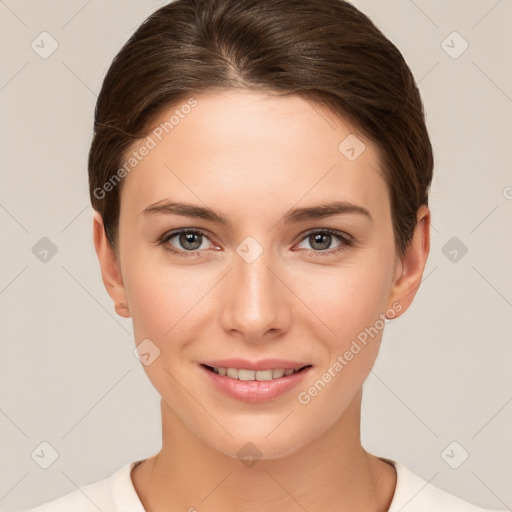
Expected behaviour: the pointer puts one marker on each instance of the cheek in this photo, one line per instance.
(165, 307)
(163, 301)
(352, 306)
(158, 295)
(348, 300)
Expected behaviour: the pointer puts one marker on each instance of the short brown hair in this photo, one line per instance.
(325, 51)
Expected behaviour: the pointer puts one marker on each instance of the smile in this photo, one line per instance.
(248, 375)
(255, 385)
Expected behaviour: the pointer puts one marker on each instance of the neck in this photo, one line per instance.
(332, 473)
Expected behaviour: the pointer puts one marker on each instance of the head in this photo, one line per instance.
(294, 132)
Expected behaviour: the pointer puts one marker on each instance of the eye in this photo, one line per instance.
(321, 241)
(188, 241)
(191, 241)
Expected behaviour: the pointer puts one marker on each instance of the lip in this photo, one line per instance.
(264, 364)
(255, 391)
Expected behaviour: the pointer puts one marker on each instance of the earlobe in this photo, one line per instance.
(410, 269)
(110, 268)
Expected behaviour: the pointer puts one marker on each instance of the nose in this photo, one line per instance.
(255, 301)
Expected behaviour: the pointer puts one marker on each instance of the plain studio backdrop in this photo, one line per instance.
(439, 398)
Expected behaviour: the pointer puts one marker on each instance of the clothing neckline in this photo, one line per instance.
(125, 496)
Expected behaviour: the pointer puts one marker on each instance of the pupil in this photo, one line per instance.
(318, 239)
(187, 241)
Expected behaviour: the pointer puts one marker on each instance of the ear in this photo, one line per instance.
(409, 269)
(110, 268)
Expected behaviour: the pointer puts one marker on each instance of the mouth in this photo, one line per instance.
(254, 375)
(265, 381)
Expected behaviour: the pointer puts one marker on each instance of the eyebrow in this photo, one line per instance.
(293, 216)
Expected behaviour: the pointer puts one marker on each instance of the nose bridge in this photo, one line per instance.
(254, 303)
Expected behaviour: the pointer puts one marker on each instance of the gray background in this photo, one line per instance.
(68, 375)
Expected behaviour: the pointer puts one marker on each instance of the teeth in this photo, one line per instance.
(276, 374)
(232, 372)
(242, 374)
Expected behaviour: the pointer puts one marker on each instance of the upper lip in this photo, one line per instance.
(264, 364)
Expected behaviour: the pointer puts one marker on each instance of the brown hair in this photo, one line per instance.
(325, 51)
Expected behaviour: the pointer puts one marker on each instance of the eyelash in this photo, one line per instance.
(346, 241)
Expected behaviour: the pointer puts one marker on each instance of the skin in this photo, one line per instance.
(253, 158)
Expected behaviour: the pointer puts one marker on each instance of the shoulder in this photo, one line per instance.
(87, 498)
(108, 495)
(414, 494)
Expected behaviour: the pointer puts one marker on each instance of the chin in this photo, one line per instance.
(250, 449)
(250, 441)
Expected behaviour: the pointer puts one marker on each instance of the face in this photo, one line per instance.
(255, 270)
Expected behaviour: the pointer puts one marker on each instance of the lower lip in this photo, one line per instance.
(255, 391)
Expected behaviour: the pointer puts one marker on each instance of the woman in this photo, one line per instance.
(260, 174)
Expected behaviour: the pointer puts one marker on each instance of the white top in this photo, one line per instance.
(117, 494)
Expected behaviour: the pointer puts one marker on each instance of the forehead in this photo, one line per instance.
(236, 148)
